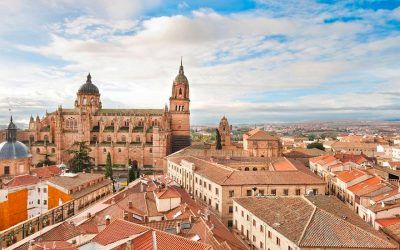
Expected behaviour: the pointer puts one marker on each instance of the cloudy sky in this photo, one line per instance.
(252, 61)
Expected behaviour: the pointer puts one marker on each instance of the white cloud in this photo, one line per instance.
(227, 58)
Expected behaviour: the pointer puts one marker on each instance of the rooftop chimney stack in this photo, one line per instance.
(130, 205)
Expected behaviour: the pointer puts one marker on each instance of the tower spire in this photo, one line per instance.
(11, 134)
(181, 72)
(89, 78)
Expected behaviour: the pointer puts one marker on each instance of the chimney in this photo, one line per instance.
(178, 228)
(130, 204)
(126, 215)
(108, 220)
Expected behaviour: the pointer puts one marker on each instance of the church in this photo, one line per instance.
(141, 136)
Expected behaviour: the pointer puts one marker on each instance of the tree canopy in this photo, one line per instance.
(80, 159)
(317, 145)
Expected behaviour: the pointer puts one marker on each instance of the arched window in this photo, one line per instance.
(91, 100)
(84, 100)
(119, 150)
(254, 169)
(123, 138)
(180, 91)
(246, 169)
(109, 138)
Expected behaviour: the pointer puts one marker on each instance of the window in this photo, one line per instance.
(109, 138)
(137, 138)
(6, 170)
(278, 241)
(216, 191)
(104, 150)
(44, 190)
(247, 217)
(195, 180)
(216, 206)
(246, 169)
(242, 213)
(254, 238)
(209, 187)
(38, 201)
(248, 192)
(236, 209)
(261, 228)
(315, 191)
(46, 138)
(289, 248)
(286, 192)
(123, 138)
(269, 234)
(261, 191)
(209, 201)
(53, 150)
(205, 184)
(38, 150)
(273, 191)
(119, 150)
(261, 245)
(230, 209)
(200, 182)
(230, 223)
(38, 190)
(298, 191)
(151, 150)
(44, 202)
(254, 223)
(231, 193)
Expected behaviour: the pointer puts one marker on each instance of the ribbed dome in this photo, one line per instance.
(88, 87)
(13, 150)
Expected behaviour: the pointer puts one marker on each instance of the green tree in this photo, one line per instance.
(218, 145)
(109, 167)
(45, 162)
(317, 145)
(80, 157)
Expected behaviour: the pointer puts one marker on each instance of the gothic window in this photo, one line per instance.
(123, 138)
(126, 123)
(180, 92)
(246, 169)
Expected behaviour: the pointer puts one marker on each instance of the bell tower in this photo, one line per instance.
(88, 96)
(180, 112)
(225, 131)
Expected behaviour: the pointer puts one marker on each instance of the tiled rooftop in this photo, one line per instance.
(315, 221)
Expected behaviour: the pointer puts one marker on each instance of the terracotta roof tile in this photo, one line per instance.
(22, 180)
(350, 175)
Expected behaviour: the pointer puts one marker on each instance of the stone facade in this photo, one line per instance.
(144, 136)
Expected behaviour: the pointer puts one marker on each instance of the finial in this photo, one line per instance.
(181, 68)
(181, 60)
(11, 119)
(89, 78)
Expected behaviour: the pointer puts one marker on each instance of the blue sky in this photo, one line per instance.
(253, 61)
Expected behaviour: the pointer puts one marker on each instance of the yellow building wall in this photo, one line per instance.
(54, 195)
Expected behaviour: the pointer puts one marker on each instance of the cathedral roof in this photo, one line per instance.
(181, 78)
(88, 87)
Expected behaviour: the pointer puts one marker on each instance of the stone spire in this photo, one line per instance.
(181, 72)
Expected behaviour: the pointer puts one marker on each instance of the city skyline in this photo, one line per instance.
(253, 61)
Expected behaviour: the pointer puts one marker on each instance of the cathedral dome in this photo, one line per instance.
(88, 87)
(11, 148)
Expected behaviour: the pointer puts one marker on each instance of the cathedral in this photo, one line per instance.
(141, 136)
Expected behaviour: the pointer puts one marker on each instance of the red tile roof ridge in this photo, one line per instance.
(309, 220)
